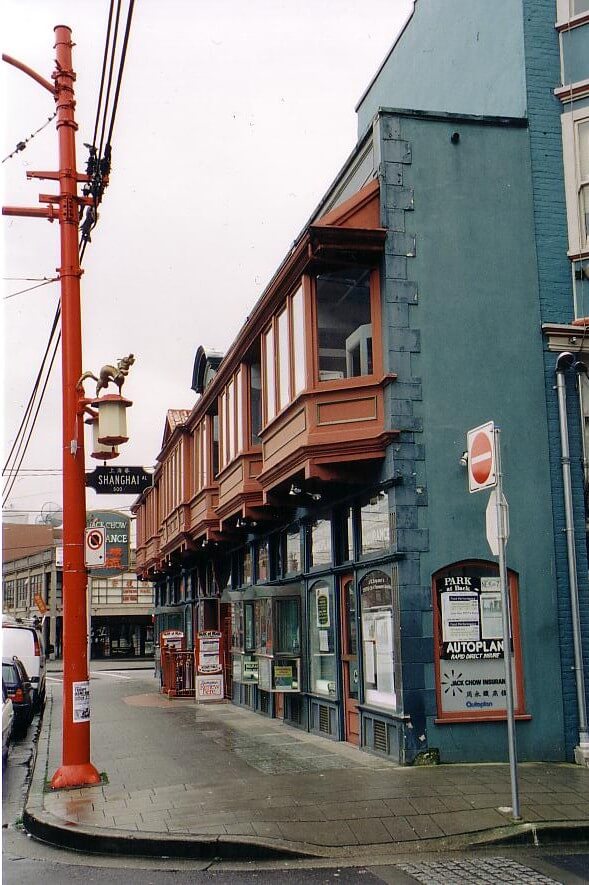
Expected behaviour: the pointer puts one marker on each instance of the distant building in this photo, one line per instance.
(120, 605)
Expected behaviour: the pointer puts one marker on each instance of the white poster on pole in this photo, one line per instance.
(81, 701)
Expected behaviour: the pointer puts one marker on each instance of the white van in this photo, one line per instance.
(23, 641)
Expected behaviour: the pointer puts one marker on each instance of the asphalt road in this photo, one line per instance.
(27, 862)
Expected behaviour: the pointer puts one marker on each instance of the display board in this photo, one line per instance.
(468, 623)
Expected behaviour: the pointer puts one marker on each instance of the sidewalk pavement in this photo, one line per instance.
(218, 781)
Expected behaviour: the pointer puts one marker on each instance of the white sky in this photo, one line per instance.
(234, 118)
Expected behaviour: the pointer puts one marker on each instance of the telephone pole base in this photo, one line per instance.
(84, 775)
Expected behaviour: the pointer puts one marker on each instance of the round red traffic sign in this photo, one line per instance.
(94, 540)
(481, 458)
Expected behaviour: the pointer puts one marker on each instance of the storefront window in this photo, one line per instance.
(321, 633)
(246, 571)
(263, 626)
(249, 626)
(344, 324)
(237, 626)
(262, 565)
(292, 549)
(378, 643)
(320, 543)
(375, 524)
(288, 633)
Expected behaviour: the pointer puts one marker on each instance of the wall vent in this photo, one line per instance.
(380, 736)
(324, 723)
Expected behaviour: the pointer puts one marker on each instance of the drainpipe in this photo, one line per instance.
(565, 361)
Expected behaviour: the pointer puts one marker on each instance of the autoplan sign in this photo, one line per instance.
(117, 527)
(119, 480)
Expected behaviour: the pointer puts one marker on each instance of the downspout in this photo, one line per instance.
(565, 361)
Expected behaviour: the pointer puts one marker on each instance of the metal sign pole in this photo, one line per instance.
(506, 609)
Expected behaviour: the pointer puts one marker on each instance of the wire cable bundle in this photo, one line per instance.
(98, 169)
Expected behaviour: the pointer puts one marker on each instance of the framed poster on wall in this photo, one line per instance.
(468, 639)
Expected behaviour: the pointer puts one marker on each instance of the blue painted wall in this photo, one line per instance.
(464, 336)
(465, 56)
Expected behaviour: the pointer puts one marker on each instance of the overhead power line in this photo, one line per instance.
(30, 288)
(21, 145)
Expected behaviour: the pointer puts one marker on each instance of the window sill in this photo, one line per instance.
(575, 21)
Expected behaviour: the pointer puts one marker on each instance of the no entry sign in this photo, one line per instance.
(480, 444)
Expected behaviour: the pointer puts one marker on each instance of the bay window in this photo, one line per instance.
(284, 356)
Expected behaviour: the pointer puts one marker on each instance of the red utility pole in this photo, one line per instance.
(76, 768)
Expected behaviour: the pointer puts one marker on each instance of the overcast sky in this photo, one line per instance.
(234, 118)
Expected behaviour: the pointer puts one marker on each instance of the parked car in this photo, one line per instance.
(20, 691)
(7, 723)
(23, 640)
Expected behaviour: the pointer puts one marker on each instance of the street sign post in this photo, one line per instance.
(484, 471)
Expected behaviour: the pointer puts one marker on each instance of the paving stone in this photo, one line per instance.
(424, 826)
(453, 822)
(427, 805)
(265, 828)
(400, 807)
(319, 833)
(369, 831)
(354, 810)
(400, 830)
(456, 803)
(294, 813)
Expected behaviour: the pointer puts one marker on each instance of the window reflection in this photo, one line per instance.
(375, 524)
(344, 324)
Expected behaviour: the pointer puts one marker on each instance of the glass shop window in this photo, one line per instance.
(344, 324)
(320, 543)
(262, 561)
(375, 525)
(237, 626)
(292, 551)
(288, 626)
(263, 626)
(322, 640)
(247, 576)
(249, 630)
(378, 640)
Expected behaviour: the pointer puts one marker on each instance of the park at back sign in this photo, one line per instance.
(480, 445)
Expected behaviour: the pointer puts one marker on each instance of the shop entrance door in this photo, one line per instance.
(350, 677)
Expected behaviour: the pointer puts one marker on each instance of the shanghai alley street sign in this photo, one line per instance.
(119, 480)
